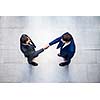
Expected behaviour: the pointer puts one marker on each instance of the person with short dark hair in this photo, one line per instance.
(67, 47)
(28, 48)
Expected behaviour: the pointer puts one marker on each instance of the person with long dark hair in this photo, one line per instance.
(28, 48)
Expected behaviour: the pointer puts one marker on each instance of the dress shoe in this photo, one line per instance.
(63, 64)
(34, 63)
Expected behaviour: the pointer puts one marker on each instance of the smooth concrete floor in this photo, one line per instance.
(85, 65)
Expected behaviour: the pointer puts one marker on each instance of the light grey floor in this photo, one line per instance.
(85, 65)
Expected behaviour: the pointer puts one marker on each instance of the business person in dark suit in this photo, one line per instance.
(67, 47)
(28, 48)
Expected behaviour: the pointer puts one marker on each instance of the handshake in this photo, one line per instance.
(46, 47)
(27, 45)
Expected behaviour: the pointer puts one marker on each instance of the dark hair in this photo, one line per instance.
(24, 38)
(67, 37)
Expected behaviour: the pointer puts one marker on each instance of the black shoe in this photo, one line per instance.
(63, 64)
(34, 63)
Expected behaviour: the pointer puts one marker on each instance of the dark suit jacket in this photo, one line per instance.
(27, 49)
(68, 51)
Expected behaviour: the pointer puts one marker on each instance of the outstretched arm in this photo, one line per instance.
(55, 41)
(52, 42)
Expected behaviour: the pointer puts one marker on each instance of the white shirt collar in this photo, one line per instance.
(66, 44)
